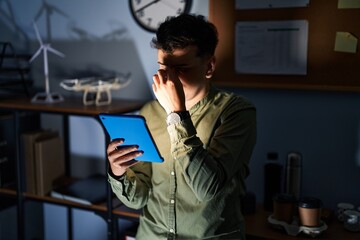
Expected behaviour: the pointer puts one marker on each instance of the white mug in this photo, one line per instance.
(341, 208)
(352, 220)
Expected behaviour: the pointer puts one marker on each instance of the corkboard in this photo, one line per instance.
(326, 69)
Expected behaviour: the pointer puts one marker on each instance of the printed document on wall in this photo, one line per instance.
(271, 47)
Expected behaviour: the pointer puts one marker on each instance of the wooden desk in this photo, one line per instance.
(70, 106)
(258, 227)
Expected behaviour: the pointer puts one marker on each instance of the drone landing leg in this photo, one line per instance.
(88, 99)
(103, 101)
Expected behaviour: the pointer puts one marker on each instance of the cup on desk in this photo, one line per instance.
(310, 211)
(341, 208)
(284, 207)
(352, 220)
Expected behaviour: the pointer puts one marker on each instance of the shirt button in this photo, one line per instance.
(172, 230)
(172, 173)
(172, 201)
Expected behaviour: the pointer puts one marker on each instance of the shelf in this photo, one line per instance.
(109, 210)
(72, 105)
(119, 210)
(123, 211)
(9, 192)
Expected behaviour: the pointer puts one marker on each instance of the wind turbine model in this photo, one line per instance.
(45, 97)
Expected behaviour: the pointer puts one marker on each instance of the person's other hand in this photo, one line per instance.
(168, 90)
(121, 157)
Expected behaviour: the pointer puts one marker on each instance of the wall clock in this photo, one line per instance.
(149, 14)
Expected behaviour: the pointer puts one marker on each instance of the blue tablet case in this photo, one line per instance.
(134, 130)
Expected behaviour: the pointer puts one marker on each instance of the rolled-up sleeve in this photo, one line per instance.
(208, 166)
(133, 188)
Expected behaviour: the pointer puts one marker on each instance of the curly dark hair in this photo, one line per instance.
(186, 30)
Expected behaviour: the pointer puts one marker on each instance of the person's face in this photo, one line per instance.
(193, 71)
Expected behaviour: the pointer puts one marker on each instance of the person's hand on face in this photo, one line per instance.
(121, 157)
(168, 89)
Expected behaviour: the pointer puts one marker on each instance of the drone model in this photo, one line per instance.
(47, 96)
(101, 88)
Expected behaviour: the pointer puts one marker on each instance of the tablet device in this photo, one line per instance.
(134, 130)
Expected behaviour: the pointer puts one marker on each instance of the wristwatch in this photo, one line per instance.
(176, 117)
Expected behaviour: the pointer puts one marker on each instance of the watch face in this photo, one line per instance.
(149, 14)
(173, 118)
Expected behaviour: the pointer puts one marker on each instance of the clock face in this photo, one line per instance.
(149, 14)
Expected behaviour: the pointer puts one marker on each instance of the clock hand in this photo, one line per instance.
(147, 5)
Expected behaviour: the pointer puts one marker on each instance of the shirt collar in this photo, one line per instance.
(210, 95)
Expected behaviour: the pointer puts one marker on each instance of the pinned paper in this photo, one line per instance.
(345, 42)
(349, 4)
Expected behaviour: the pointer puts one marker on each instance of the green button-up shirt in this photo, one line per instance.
(196, 192)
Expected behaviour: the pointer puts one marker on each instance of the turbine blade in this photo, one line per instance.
(36, 54)
(37, 34)
(60, 54)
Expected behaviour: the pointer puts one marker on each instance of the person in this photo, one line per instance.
(205, 135)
